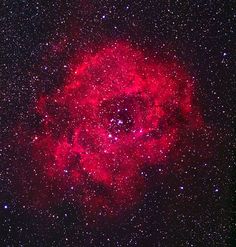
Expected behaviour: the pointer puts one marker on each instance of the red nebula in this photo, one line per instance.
(117, 113)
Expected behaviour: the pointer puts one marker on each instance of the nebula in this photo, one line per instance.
(117, 113)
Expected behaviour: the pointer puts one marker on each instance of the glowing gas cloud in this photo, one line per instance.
(117, 113)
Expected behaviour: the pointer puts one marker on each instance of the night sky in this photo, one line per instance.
(117, 123)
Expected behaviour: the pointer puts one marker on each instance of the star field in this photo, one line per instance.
(117, 123)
